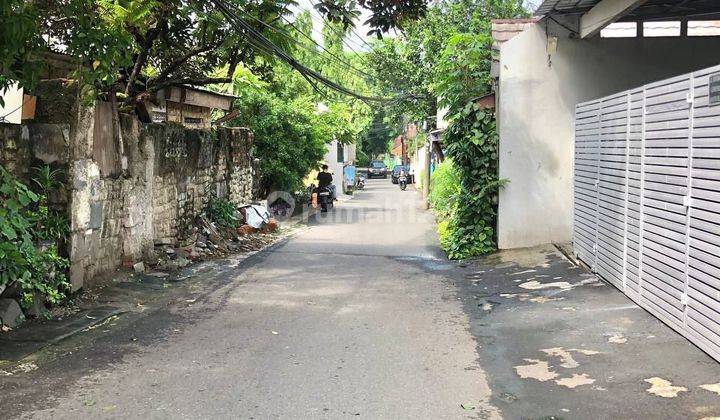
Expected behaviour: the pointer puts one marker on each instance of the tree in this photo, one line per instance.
(375, 138)
(148, 44)
(294, 120)
(287, 141)
(406, 67)
(384, 14)
(151, 44)
(19, 39)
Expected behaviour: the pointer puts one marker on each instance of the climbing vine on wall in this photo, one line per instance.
(471, 142)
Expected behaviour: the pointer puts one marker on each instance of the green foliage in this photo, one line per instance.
(463, 71)
(35, 270)
(289, 138)
(361, 159)
(444, 60)
(444, 188)
(375, 137)
(408, 66)
(291, 120)
(47, 179)
(20, 37)
(222, 212)
(444, 234)
(471, 142)
(154, 43)
(50, 223)
(383, 14)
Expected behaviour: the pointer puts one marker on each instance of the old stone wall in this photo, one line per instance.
(191, 167)
(24, 147)
(125, 198)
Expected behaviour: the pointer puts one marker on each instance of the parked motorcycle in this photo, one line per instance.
(402, 180)
(360, 184)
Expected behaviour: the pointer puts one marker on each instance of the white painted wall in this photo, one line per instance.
(12, 110)
(536, 104)
(336, 168)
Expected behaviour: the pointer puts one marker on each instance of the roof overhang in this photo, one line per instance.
(191, 95)
(596, 14)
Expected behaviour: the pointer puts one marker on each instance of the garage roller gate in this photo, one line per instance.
(647, 199)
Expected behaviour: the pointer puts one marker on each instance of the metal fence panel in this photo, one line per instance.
(587, 126)
(647, 199)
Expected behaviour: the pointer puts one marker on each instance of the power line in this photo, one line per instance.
(3, 117)
(258, 40)
(288, 36)
(340, 34)
(321, 20)
(325, 49)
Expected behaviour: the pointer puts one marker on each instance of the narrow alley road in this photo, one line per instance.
(360, 315)
(351, 317)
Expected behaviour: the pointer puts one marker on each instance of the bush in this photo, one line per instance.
(35, 270)
(222, 212)
(444, 187)
(444, 234)
(471, 143)
(288, 139)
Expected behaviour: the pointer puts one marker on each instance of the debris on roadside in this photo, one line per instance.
(208, 241)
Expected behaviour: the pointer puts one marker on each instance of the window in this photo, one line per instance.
(704, 28)
(658, 29)
(620, 30)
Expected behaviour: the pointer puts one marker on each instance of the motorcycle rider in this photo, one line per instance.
(325, 179)
(403, 178)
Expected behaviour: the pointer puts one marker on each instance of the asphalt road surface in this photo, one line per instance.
(352, 317)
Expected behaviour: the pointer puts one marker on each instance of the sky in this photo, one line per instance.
(355, 40)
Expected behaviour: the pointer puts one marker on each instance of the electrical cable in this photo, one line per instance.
(342, 35)
(359, 72)
(3, 118)
(258, 40)
(326, 50)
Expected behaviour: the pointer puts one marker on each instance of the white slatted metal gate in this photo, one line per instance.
(647, 199)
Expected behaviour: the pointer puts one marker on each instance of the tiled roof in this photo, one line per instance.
(505, 29)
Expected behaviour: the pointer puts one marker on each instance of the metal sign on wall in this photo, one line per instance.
(647, 199)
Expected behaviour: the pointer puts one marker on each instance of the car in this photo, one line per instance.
(377, 169)
(396, 173)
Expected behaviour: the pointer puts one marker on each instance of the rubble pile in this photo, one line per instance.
(208, 241)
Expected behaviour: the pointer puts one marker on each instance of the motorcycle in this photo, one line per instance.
(324, 199)
(402, 180)
(360, 184)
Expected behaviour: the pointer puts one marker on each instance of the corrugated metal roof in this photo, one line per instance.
(648, 10)
(564, 6)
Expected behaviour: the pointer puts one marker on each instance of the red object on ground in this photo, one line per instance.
(245, 230)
